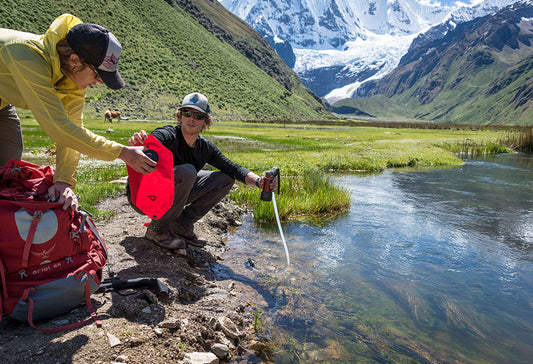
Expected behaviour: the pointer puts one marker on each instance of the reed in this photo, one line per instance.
(310, 193)
(521, 141)
(473, 149)
(258, 319)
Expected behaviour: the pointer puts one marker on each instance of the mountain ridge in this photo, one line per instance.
(339, 44)
(479, 73)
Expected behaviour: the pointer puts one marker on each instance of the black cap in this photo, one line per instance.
(99, 47)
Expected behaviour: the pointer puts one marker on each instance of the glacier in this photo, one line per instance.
(364, 38)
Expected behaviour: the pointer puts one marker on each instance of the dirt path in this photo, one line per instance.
(142, 328)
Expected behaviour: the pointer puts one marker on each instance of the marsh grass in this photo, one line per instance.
(91, 193)
(474, 149)
(521, 141)
(306, 154)
(310, 193)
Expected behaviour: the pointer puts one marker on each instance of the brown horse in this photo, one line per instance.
(110, 115)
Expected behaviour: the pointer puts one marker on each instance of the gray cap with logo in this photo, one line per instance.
(196, 101)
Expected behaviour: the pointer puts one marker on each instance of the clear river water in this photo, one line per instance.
(428, 266)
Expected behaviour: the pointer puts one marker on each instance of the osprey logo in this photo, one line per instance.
(109, 64)
(152, 197)
(110, 61)
(194, 99)
(45, 254)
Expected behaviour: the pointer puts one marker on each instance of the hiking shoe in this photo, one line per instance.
(188, 234)
(166, 239)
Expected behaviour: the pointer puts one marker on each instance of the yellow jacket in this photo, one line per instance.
(31, 78)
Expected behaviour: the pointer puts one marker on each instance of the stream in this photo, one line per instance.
(428, 266)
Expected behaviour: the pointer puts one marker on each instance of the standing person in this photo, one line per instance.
(48, 74)
(196, 190)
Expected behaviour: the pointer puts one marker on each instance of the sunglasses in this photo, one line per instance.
(196, 115)
(96, 74)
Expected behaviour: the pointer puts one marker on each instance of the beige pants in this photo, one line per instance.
(11, 144)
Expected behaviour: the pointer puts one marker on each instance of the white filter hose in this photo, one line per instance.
(281, 231)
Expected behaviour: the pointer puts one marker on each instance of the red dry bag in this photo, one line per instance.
(153, 193)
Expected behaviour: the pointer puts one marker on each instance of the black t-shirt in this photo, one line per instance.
(203, 152)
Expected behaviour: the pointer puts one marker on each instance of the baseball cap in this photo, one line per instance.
(196, 101)
(100, 48)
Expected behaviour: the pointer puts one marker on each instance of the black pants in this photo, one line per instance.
(195, 193)
(11, 144)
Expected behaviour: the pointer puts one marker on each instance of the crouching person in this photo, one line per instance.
(196, 191)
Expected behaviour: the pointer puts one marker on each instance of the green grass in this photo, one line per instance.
(308, 194)
(306, 154)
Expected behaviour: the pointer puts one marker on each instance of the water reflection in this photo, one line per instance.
(496, 204)
(428, 266)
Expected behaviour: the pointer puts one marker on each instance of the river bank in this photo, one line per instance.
(205, 316)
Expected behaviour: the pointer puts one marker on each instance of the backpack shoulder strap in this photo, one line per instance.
(29, 239)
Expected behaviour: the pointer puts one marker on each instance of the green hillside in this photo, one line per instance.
(167, 54)
(231, 29)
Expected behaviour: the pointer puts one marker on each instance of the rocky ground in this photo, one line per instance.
(207, 314)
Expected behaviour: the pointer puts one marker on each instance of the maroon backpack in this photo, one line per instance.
(50, 259)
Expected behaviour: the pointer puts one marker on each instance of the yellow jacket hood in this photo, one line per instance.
(31, 78)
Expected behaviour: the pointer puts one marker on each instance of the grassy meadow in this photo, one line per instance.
(306, 154)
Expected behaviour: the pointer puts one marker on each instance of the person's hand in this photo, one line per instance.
(253, 179)
(273, 183)
(138, 138)
(61, 192)
(136, 159)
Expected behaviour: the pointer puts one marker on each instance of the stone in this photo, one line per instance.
(201, 358)
(229, 328)
(258, 346)
(220, 350)
(113, 340)
(122, 359)
(171, 324)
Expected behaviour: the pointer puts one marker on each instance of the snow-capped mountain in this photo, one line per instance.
(338, 44)
(480, 72)
(329, 24)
